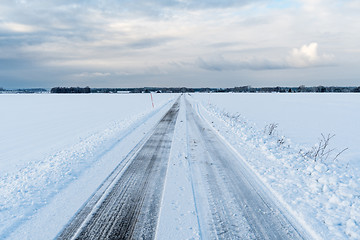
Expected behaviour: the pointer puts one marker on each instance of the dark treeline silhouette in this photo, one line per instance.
(302, 88)
(242, 89)
(70, 90)
(250, 89)
(145, 90)
(24, 90)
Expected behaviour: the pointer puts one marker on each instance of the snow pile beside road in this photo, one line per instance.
(22, 193)
(302, 117)
(25, 190)
(322, 195)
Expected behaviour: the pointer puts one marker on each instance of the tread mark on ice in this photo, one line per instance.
(131, 207)
(235, 209)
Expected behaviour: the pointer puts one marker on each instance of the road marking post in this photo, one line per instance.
(152, 100)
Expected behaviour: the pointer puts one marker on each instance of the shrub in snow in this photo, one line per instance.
(321, 151)
(270, 129)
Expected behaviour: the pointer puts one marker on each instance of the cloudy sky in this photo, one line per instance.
(193, 43)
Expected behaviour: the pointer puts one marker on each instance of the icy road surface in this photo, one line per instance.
(130, 209)
(221, 198)
(233, 205)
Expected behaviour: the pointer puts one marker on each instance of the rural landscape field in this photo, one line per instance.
(179, 119)
(55, 156)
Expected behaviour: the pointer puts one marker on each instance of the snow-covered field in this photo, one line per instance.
(55, 150)
(301, 117)
(322, 194)
(48, 141)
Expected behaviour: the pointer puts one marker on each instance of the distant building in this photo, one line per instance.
(123, 92)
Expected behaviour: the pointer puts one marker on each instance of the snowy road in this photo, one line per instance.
(229, 202)
(130, 208)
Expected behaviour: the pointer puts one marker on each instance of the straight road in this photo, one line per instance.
(127, 206)
(230, 203)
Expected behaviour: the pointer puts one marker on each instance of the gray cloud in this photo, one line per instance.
(223, 44)
(144, 5)
(149, 42)
(60, 41)
(221, 64)
(303, 57)
(38, 10)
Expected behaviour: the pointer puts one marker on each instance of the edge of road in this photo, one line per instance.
(74, 226)
(105, 163)
(306, 231)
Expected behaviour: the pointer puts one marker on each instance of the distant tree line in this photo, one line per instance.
(24, 90)
(144, 90)
(242, 89)
(70, 90)
(302, 88)
(249, 89)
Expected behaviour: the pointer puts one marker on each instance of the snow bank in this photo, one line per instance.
(91, 124)
(323, 195)
(302, 117)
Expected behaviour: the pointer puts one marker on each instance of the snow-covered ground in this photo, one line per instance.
(301, 117)
(55, 150)
(323, 195)
(178, 216)
(51, 143)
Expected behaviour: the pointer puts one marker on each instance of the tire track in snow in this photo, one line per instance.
(127, 204)
(231, 204)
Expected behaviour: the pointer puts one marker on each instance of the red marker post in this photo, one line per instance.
(152, 100)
